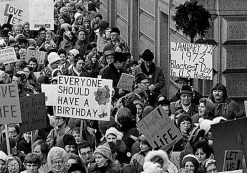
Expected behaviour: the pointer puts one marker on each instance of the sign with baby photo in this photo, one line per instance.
(84, 98)
(159, 129)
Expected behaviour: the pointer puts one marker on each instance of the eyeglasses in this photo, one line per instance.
(58, 162)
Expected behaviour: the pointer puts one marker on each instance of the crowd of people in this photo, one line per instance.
(82, 44)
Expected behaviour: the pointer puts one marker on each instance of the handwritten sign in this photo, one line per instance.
(233, 160)
(33, 113)
(8, 55)
(49, 90)
(126, 82)
(159, 129)
(83, 97)
(191, 60)
(236, 171)
(10, 111)
(39, 55)
(175, 158)
(14, 11)
(42, 14)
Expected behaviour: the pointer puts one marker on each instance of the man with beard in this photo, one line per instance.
(225, 106)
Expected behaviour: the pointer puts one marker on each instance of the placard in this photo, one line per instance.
(50, 91)
(175, 158)
(237, 171)
(33, 113)
(84, 97)
(39, 55)
(225, 138)
(190, 60)
(245, 107)
(232, 160)
(159, 129)
(14, 11)
(7, 55)
(126, 82)
(10, 111)
(42, 14)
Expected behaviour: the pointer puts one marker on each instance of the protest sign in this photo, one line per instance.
(10, 111)
(126, 82)
(83, 97)
(39, 55)
(236, 171)
(232, 160)
(159, 129)
(14, 11)
(42, 14)
(245, 106)
(191, 60)
(50, 91)
(225, 138)
(175, 158)
(7, 55)
(33, 113)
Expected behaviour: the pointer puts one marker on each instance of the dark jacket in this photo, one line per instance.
(23, 146)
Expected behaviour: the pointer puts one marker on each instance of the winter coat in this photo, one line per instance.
(23, 146)
(174, 106)
(112, 167)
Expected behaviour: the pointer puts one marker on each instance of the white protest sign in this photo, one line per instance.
(39, 55)
(126, 82)
(236, 171)
(50, 91)
(7, 55)
(14, 11)
(191, 60)
(159, 129)
(175, 158)
(10, 111)
(42, 14)
(232, 160)
(84, 97)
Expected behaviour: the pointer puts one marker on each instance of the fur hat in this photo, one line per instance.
(186, 89)
(148, 161)
(68, 140)
(74, 52)
(192, 159)
(139, 77)
(114, 131)
(147, 55)
(53, 57)
(65, 18)
(115, 30)
(104, 151)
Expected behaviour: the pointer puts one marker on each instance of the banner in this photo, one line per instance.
(232, 160)
(191, 60)
(159, 129)
(14, 11)
(10, 111)
(84, 97)
(33, 113)
(126, 82)
(42, 14)
(7, 55)
(39, 55)
(50, 98)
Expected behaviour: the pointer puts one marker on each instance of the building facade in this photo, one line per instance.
(148, 24)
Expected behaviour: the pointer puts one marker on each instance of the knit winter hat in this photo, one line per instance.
(53, 57)
(139, 77)
(74, 52)
(162, 154)
(192, 159)
(114, 131)
(104, 151)
(3, 156)
(147, 55)
(68, 140)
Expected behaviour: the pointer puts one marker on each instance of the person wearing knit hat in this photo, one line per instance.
(225, 106)
(69, 143)
(54, 58)
(112, 135)
(104, 151)
(190, 161)
(155, 75)
(156, 161)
